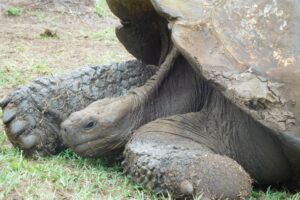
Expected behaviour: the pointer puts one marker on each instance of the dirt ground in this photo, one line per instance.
(81, 37)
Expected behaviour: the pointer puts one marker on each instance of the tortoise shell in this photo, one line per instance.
(249, 50)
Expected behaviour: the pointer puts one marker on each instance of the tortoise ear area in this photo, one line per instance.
(112, 119)
(115, 112)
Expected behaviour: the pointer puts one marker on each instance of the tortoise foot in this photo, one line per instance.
(159, 158)
(29, 123)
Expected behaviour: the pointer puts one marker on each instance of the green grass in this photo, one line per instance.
(13, 11)
(63, 176)
(107, 34)
(271, 194)
(11, 75)
(41, 68)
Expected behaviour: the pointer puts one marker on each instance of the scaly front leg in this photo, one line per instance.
(163, 156)
(33, 113)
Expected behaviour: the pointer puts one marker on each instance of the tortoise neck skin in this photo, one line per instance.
(105, 126)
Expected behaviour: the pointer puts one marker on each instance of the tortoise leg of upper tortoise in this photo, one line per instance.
(33, 113)
(159, 157)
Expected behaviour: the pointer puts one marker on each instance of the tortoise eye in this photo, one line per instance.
(90, 125)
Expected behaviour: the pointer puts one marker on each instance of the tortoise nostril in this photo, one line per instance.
(65, 129)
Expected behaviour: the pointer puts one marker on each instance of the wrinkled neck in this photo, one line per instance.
(175, 89)
(146, 92)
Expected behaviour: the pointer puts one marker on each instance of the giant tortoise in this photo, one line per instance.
(221, 110)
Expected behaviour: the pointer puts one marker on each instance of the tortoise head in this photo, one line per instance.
(100, 129)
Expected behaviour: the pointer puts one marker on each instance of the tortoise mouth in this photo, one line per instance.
(98, 147)
(88, 148)
(73, 138)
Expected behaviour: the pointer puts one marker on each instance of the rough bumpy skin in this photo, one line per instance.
(166, 162)
(207, 152)
(33, 113)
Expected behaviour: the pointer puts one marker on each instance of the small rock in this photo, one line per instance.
(49, 34)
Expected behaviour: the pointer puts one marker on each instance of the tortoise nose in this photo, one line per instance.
(65, 129)
(66, 132)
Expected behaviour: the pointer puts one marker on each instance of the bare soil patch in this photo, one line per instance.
(82, 38)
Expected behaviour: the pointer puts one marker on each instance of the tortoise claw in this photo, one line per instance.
(4, 101)
(28, 141)
(17, 127)
(9, 114)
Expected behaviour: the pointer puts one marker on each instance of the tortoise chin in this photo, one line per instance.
(89, 145)
(92, 150)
